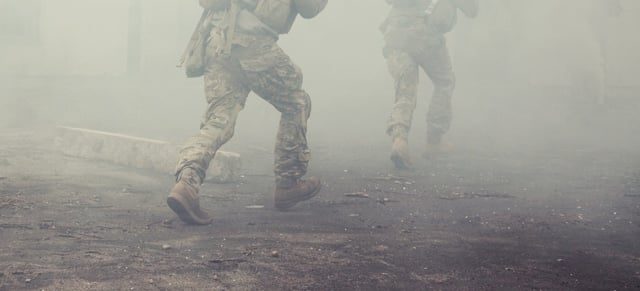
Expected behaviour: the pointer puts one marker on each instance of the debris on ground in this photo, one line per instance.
(365, 195)
(357, 195)
(334, 243)
(471, 195)
(395, 179)
(224, 264)
(384, 201)
(254, 206)
(47, 224)
(380, 248)
(386, 191)
(166, 247)
(438, 278)
(10, 202)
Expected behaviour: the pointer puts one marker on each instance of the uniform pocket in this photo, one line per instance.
(260, 56)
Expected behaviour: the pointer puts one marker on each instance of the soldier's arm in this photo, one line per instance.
(310, 8)
(214, 4)
(468, 7)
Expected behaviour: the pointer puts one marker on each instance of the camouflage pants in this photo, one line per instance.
(267, 71)
(403, 66)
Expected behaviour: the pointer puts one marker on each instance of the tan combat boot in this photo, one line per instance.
(288, 196)
(184, 201)
(400, 154)
(400, 148)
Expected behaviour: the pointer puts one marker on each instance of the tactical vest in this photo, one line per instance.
(277, 14)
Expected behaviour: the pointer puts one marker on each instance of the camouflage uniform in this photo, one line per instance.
(415, 39)
(255, 64)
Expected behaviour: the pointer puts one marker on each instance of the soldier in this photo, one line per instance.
(415, 38)
(236, 50)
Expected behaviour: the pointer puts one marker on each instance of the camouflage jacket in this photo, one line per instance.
(413, 24)
(279, 15)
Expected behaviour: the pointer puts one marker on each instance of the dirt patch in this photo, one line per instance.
(462, 222)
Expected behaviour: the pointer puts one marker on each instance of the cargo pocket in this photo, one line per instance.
(289, 74)
(260, 56)
(400, 64)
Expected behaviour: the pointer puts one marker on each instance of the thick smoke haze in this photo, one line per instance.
(526, 71)
(540, 191)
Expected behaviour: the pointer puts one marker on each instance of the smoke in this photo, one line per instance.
(531, 74)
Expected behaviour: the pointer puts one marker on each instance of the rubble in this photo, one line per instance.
(357, 195)
(254, 206)
(380, 248)
(137, 152)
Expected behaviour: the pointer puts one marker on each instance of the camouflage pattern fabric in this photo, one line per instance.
(413, 42)
(403, 66)
(263, 67)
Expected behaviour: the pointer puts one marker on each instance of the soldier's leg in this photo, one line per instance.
(437, 65)
(226, 96)
(281, 85)
(404, 71)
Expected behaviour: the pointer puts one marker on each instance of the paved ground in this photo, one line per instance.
(472, 220)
